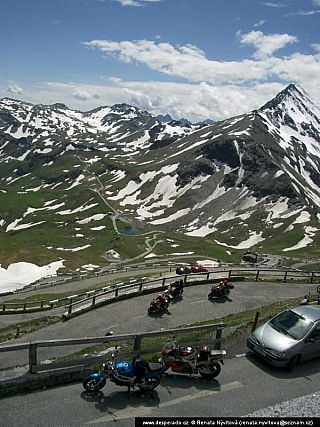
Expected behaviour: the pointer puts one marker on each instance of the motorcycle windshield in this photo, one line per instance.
(169, 346)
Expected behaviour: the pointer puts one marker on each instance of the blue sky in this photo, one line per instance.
(192, 58)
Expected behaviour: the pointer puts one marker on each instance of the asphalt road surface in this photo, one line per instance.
(245, 384)
(130, 316)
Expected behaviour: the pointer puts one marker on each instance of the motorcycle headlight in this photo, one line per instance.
(276, 353)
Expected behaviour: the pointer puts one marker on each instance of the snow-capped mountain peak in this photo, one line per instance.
(240, 182)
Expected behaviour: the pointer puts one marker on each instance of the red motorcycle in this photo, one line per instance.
(186, 360)
(158, 304)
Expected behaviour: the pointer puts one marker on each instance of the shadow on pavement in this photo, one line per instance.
(304, 369)
(118, 400)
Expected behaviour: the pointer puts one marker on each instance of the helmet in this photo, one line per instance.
(159, 296)
(221, 283)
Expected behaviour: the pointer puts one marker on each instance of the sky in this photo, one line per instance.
(196, 59)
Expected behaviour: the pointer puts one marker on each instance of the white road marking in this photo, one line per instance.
(131, 412)
(138, 317)
(196, 302)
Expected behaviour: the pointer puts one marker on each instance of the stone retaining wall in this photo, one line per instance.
(29, 382)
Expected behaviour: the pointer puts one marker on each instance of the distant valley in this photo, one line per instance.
(77, 185)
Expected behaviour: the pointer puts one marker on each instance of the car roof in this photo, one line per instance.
(311, 312)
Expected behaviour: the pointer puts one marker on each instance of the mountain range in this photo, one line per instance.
(75, 185)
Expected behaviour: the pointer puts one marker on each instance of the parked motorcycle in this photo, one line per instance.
(217, 292)
(174, 290)
(186, 360)
(306, 299)
(144, 375)
(158, 305)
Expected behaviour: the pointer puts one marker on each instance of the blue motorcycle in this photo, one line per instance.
(144, 375)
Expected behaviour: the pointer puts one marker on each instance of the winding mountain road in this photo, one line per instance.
(130, 316)
(245, 384)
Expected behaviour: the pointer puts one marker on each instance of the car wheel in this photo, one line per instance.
(293, 362)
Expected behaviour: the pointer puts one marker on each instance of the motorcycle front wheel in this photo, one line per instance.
(150, 310)
(210, 371)
(149, 383)
(94, 384)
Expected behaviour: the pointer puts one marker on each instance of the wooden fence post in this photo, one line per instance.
(285, 276)
(70, 308)
(32, 356)
(163, 281)
(137, 346)
(257, 275)
(217, 345)
(18, 331)
(255, 321)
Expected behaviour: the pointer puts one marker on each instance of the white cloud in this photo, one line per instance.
(304, 13)
(136, 3)
(142, 99)
(212, 89)
(14, 89)
(194, 101)
(83, 95)
(260, 23)
(191, 63)
(187, 61)
(316, 47)
(266, 45)
(271, 4)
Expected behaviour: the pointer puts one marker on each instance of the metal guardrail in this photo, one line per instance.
(160, 283)
(35, 366)
(126, 291)
(72, 276)
(25, 305)
(106, 291)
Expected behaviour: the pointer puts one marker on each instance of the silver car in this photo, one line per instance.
(288, 338)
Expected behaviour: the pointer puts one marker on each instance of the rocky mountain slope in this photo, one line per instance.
(250, 181)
